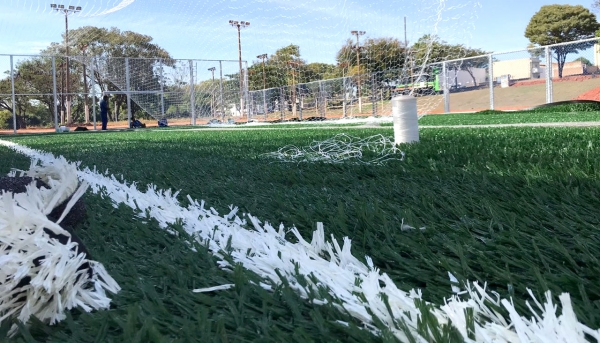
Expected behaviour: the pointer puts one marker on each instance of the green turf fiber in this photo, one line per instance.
(516, 207)
(497, 117)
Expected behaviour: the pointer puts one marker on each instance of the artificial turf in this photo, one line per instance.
(515, 207)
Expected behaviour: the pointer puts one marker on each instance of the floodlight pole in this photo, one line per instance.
(263, 57)
(240, 25)
(358, 48)
(67, 11)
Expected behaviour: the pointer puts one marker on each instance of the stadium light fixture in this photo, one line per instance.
(239, 25)
(66, 11)
(358, 48)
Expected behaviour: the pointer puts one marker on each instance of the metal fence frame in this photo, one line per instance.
(124, 89)
(340, 90)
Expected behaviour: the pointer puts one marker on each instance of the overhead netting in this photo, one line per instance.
(180, 58)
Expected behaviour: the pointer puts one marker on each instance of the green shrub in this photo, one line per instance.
(5, 119)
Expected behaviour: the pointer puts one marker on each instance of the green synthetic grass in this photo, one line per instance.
(516, 207)
(507, 118)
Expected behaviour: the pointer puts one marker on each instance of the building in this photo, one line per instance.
(570, 69)
(463, 79)
(518, 69)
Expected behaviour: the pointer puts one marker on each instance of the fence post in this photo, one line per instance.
(247, 91)
(344, 101)
(373, 100)
(446, 89)
(320, 97)
(193, 93)
(549, 69)
(221, 90)
(94, 96)
(300, 102)
(14, 104)
(281, 102)
(265, 104)
(54, 96)
(128, 88)
(162, 89)
(491, 80)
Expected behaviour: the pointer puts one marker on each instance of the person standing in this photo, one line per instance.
(104, 111)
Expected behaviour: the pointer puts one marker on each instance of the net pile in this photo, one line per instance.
(44, 269)
(373, 150)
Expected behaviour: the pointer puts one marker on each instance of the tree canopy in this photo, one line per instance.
(286, 67)
(375, 54)
(431, 49)
(554, 24)
(109, 47)
(34, 75)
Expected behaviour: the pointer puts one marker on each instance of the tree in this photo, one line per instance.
(320, 71)
(583, 61)
(431, 49)
(554, 24)
(535, 51)
(110, 47)
(375, 55)
(22, 102)
(35, 76)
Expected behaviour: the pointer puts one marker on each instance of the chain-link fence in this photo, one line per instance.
(523, 79)
(49, 91)
(53, 90)
(515, 80)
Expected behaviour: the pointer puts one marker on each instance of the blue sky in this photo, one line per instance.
(199, 28)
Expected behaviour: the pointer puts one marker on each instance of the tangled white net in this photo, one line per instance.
(373, 150)
(39, 275)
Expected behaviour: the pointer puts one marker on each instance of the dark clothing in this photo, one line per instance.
(136, 124)
(104, 113)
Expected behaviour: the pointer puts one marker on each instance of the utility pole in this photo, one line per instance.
(358, 48)
(67, 11)
(240, 25)
(212, 100)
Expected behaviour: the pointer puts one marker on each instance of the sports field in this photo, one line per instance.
(515, 207)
